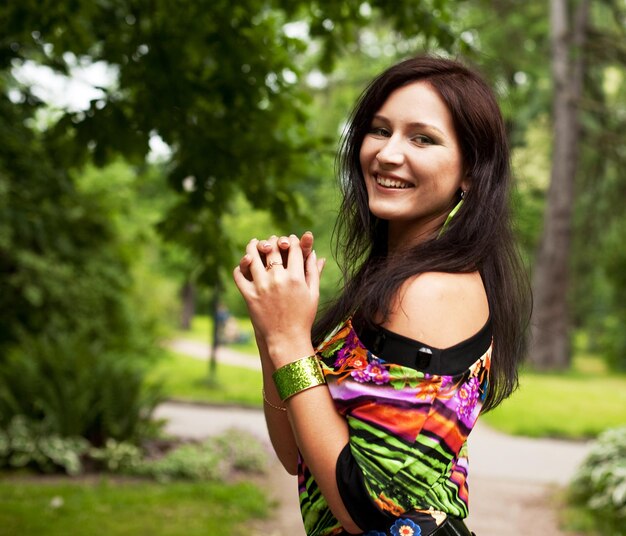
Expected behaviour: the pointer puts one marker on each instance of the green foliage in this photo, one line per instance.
(610, 289)
(226, 87)
(134, 200)
(117, 457)
(77, 389)
(220, 84)
(600, 484)
(59, 258)
(188, 462)
(599, 263)
(28, 443)
(242, 450)
(75, 336)
(213, 459)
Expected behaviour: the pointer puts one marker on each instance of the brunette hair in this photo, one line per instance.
(479, 237)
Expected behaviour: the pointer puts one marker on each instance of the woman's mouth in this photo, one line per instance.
(387, 182)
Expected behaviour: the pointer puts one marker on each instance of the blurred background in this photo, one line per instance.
(143, 143)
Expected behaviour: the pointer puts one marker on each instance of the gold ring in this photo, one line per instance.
(271, 264)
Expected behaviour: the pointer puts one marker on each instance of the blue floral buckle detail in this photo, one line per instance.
(405, 527)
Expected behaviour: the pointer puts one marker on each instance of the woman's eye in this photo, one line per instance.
(380, 131)
(423, 140)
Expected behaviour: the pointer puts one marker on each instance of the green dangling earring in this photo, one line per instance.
(451, 215)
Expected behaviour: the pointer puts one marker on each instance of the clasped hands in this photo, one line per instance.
(279, 280)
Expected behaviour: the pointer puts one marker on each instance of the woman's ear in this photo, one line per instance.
(466, 183)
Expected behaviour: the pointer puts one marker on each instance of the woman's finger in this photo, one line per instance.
(283, 242)
(295, 261)
(313, 272)
(306, 243)
(257, 268)
(264, 247)
(273, 256)
(244, 266)
(244, 284)
(283, 247)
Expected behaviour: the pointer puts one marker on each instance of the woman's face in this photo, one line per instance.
(412, 162)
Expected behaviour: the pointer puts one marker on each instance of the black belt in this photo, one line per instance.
(452, 526)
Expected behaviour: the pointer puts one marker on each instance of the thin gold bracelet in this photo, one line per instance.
(280, 408)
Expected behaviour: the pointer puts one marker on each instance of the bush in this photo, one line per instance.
(600, 484)
(242, 450)
(213, 459)
(187, 462)
(117, 457)
(25, 443)
(77, 389)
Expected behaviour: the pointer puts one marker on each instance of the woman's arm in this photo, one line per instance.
(282, 303)
(277, 420)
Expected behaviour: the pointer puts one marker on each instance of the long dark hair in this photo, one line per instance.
(479, 237)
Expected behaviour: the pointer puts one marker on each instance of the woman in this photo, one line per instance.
(372, 406)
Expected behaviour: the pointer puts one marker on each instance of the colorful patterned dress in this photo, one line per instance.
(405, 467)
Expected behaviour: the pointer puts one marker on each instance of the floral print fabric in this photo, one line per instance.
(408, 433)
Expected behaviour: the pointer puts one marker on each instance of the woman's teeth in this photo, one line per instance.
(391, 183)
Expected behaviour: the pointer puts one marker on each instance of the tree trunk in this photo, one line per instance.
(550, 347)
(188, 298)
(215, 301)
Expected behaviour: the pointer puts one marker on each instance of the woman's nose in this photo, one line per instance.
(391, 153)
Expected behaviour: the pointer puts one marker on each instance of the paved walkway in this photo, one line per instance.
(512, 479)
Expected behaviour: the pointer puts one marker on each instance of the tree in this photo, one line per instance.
(575, 281)
(597, 302)
(217, 81)
(550, 327)
(524, 81)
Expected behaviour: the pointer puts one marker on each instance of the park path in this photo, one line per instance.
(513, 480)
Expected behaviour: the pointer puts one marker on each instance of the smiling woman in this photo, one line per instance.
(371, 406)
(412, 162)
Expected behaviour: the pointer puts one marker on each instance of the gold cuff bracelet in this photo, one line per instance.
(298, 376)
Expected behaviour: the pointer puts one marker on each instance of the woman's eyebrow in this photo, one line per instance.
(427, 126)
(414, 124)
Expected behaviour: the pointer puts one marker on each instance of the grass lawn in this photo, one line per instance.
(578, 404)
(185, 378)
(57, 507)
(202, 330)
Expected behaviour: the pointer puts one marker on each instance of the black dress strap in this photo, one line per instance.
(395, 348)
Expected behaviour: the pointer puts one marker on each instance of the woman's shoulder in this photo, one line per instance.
(440, 309)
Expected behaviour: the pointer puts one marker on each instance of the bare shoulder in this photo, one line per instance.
(440, 309)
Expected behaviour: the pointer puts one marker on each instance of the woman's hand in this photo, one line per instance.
(282, 293)
(264, 247)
